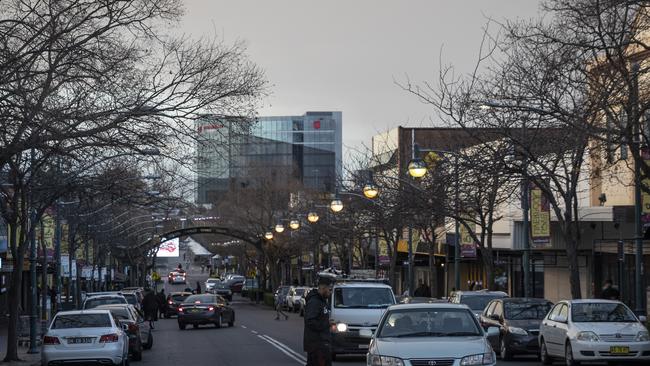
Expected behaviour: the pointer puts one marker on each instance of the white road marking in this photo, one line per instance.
(243, 326)
(287, 351)
(253, 331)
(285, 347)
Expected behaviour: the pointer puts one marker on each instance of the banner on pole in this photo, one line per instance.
(383, 258)
(540, 218)
(467, 243)
(65, 265)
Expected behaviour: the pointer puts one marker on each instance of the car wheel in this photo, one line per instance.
(149, 343)
(181, 326)
(568, 355)
(333, 356)
(137, 354)
(543, 354)
(196, 326)
(231, 323)
(219, 322)
(505, 353)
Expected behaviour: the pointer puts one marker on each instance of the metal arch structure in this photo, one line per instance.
(217, 230)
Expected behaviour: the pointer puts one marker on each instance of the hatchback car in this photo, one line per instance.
(210, 283)
(476, 300)
(138, 330)
(518, 320)
(92, 302)
(593, 330)
(173, 302)
(85, 337)
(430, 334)
(205, 309)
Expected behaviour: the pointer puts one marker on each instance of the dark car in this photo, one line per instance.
(236, 284)
(205, 309)
(476, 300)
(137, 329)
(518, 320)
(173, 301)
(222, 289)
(420, 300)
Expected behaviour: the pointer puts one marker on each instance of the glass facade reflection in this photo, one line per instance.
(306, 149)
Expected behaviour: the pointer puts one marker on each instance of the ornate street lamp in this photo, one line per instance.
(336, 205)
(313, 217)
(279, 228)
(370, 190)
(294, 224)
(268, 235)
(417, 168)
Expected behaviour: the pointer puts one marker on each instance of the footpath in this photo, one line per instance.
(27, 359)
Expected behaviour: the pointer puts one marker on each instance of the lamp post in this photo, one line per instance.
(638, 236)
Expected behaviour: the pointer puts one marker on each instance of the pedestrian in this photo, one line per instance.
(202, 268)
(317, 338)
(279, 308)
(150, 305)
(198, 287)
(162, 303)
(609, 291)
(422, 290)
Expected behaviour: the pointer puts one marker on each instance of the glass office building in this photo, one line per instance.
(303, 149)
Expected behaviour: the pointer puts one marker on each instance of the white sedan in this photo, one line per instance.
(424, 334)
(85, 337)
(593, 330)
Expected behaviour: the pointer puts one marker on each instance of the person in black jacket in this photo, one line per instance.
(317, 339)
(150, 306)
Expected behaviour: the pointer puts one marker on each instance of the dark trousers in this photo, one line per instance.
(319, 357)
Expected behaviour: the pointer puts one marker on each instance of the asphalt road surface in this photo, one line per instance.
(256, 339)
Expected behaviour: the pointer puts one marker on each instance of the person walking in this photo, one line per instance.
(162, 303)
(198, 287)
(317, 338)
(609, 291)
(279, 308)
(422, 290)
(150, 305)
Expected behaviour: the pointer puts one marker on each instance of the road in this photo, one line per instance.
(256, 339)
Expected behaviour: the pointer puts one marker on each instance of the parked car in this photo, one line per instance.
(205, 309)
(85, 337)
(476, 300)
(133, 299)
(222, 289)
(280, 295)
(236, 283)
(593, 330)
(441, 334)
(420, 300)
(173, 302)
(518, 320)
(210, 282)
(293, 298)
(250, 285)
(94, 301)
(138, 330)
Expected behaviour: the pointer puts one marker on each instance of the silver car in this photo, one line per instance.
(430, 334)
(85, 337)
(94, 301)
(138, 330)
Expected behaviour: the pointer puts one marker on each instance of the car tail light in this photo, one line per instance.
(51, 340)
(211, 308)
(170, 302)
(180, 310)
(109, 338)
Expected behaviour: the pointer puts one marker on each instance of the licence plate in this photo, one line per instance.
(363, 346)
(195, 311)
(80, 340)
(619, 350)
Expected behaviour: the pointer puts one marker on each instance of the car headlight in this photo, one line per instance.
(518, 331)
(376, 360)
(587, 337)
(480, 359)
(341, 327)
(642, 336)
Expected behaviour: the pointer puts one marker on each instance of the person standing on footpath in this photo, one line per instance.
(609, 291)
(317, 339)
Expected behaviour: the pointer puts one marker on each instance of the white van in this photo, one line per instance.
(356, 306)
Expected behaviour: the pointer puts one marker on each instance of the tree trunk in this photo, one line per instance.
(572, 257)
(15, 294)
(488, 260)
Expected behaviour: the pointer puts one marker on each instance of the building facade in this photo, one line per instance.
(306, 149)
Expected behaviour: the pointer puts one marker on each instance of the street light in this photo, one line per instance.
(336, 205)
(313, 217)
(370, 190)
(294, 224)
(417, 168)
(279, 228)
(268, 235)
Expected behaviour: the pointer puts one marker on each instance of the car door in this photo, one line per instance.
(490, 310)
(485, 319)
(550, 332)
(562, 328)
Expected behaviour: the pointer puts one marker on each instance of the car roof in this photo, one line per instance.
(481, 293)
(181, 293)
(361, 285)
(524, 299)
(588, 301)
(106, 296)
(80, 312)
(110, 306)
(434, 305)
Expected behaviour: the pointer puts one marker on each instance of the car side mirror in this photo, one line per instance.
(643, 318)
(492, 332)
(365, 333)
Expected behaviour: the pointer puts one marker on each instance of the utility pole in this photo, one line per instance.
(32, 261)
(638, 235)
(456, 226)
(410, 242)
(57, 258)
(526, 242)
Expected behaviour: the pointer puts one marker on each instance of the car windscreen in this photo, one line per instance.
(121, 313)
(429, 323)
(81, 321)
(179, 297)
(526, 310)
(363, 297)
(95, 302)
(131, 299)
(300, 291)
(201, 299)
(478, 302)
(213, 281)
(601, 312)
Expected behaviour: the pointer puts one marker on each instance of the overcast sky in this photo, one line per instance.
(344, 55)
